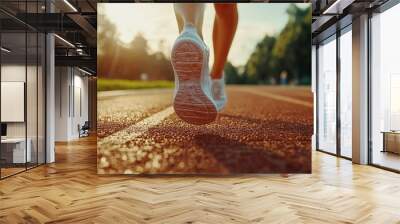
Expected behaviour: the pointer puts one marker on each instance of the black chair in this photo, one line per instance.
(84, 130)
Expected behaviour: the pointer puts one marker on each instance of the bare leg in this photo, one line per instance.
(193, 102)
(190, 14)
(225, 24)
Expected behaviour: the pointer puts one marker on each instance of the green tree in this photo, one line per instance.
(258, 68)
(293, 47)
(231, 74)
(289, 52)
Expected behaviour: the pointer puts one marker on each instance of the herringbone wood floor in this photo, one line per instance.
(70, 191)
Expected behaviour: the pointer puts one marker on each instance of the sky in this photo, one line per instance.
(156, 22)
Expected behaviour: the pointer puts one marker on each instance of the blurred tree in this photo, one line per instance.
(289, 53)
(107, 33)
(292, 52)
(139, 45)
(258, 67)
(231, 74)
(129, 61)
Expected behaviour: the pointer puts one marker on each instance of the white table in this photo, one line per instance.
(18, 149)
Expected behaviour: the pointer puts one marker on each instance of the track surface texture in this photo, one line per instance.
(262, 130)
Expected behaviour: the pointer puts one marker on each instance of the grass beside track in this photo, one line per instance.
(120, 84)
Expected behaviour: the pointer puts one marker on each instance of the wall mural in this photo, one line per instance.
(202, 88)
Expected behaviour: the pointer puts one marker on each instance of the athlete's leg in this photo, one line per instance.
(193, 101)
(190, 14)
(225, 23)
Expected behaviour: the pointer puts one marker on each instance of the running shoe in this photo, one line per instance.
(193, 100)
(219, 94)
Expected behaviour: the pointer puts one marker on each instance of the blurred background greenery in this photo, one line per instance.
(124, 84)
(281, 59)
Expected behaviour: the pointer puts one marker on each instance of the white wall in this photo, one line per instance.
(14, 73)
(62, 81)
(70, 83)
(80, 89)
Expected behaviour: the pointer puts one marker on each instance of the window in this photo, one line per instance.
(22, 88)
(346, 93)
(327, 95)
(385, 89)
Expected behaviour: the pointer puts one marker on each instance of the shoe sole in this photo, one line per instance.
(191, 104)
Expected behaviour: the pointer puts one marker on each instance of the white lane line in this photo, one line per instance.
(135, 130)
(277, 97)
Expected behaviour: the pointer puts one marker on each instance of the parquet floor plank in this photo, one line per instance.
(70, 191)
